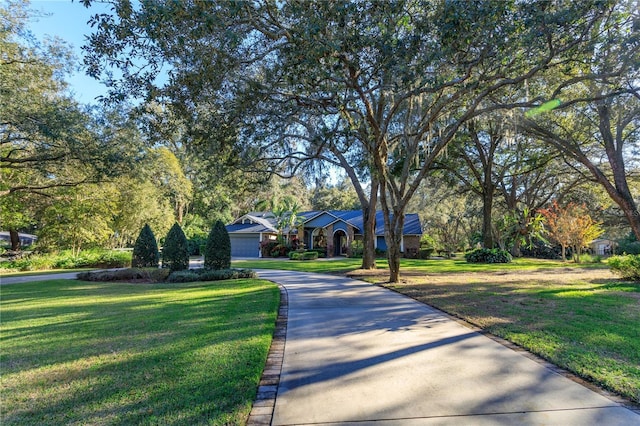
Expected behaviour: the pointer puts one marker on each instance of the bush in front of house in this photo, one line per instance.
(175, 252)
(627, 267)
(145, 250)
(425, 253)
(210, 275)
(484, 255)
(147, 275)
(303, 255)
(217, 252)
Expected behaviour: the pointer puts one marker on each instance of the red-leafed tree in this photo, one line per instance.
(571, 226)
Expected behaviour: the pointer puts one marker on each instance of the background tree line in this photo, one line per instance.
(495, 107)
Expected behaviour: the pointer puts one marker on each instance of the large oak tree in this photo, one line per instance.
(392, 82)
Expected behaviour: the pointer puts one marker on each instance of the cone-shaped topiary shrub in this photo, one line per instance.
(175, 252)
(145, 251)
(217, 254)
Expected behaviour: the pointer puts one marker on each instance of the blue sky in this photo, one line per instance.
(68, 21)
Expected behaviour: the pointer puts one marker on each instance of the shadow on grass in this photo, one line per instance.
(182, 354)
(591, 328)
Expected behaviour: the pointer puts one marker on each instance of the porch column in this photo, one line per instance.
(259, 244)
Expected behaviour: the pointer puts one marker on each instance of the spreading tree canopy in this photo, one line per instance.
(379, 88)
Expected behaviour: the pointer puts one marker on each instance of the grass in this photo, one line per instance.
(75, 352)
(11, 273)
(433, 266)
(584, 320)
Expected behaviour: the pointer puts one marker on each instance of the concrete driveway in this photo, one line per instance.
(360, 354)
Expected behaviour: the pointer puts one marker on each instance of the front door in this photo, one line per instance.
(340, 243)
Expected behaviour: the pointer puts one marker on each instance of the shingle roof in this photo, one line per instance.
(265, 221)
(258, 222)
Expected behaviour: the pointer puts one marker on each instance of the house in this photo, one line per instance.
(331, 231)
(603, 246)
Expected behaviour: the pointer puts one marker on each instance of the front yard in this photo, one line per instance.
(584, 320)
(75, 352)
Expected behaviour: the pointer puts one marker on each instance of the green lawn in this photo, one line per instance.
(6, 273)
(433, 266)
(589, 327)
(114, 353)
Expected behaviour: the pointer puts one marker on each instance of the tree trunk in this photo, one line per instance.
(393, 236)
(15, 240)
(369, 238)
(369, 231)
(487, 228)
(515, 250)
(393, 229)
(368, 211)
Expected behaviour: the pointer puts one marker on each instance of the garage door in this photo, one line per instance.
(244, 245)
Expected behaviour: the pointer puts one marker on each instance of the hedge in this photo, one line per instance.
(627, 267)
(483, 255)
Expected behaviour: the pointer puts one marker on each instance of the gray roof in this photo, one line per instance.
(265, 221)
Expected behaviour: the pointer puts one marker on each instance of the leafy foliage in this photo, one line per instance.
(96, 258)
(217, 253)
(382, 99)
(145, 250)
(628, 245)
(484, 255)
(303, 255)
(210, 275)
(627, 267)
(153, 275)
(571, 226)
(175, 252)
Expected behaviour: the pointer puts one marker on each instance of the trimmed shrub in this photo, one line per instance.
(627, 267)
(305, 255)
(296, 254)
(210, 275)
(153, 275)
(425, 253)
(175, 252)
(483, 255)
(145, 250)
(357, 249)
(217, 254)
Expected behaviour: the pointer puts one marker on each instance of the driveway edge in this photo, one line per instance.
(265, 401)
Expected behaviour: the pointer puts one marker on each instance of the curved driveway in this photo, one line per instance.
(360, 354)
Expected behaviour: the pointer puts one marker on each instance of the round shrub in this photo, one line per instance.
(217, 252)
(145, 250)
(627, 267)
(484, 255)
(175, 253)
